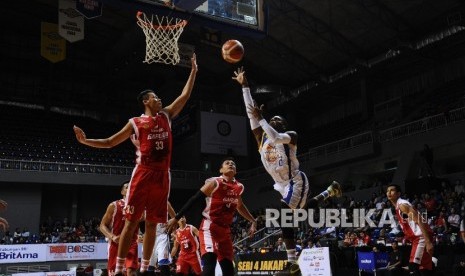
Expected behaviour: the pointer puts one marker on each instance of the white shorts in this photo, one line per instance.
(295, 193)
(161, 251)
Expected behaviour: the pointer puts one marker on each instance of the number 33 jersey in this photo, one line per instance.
(153, 140)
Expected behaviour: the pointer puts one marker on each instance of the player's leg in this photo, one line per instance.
(225, 251)
(227, 267)
(209, 264)
(124, 244)
(163, 251)
(156, 212)
(292, 268)
(112, 254)
(147, 245)
(132, 260)
(334, 190)
(194, 264)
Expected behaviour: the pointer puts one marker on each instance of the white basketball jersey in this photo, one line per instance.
(276, 163)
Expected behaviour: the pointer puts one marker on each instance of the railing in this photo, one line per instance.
(42, 166)
(338, 146)
(25, 269)
(63, 167)
(412, 128)
(422, 125)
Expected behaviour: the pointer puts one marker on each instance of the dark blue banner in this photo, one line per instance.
(369, 261)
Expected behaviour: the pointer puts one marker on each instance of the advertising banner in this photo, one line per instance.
(22, 253)
(369, 261)
(61, 273)
(315, 262)
(76, 251)
(52, 45)
(223, 134)
(29, 274)
(70, 22)
(260, 263)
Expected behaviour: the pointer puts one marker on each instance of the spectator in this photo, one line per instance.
(440, 224)
(454, 221)
(310, 244)
(459, 188)
(280, 245)
(394, 266)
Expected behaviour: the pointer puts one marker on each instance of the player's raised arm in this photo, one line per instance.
(109, 142)
(239, 76)
(178, 104)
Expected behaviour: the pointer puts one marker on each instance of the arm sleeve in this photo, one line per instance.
(249, 101)
(273, 135)
(195, 199)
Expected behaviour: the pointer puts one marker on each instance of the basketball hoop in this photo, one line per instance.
(161, 37)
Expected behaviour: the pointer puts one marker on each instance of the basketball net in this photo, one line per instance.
(161, 37)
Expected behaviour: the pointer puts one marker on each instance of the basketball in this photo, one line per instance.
(232, 51)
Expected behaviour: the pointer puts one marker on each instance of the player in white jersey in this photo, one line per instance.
(161, 252)
(416, 230)
(278, 150)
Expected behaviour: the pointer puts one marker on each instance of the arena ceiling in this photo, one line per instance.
(305, 41)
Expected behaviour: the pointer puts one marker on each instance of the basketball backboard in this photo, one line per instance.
(245, 14)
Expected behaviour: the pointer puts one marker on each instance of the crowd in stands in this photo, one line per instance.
(60, 231)
(443, 208)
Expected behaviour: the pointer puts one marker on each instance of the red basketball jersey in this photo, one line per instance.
(155, 140)
(118, 219)
(187, 240)
(222, 204)
(410, 228)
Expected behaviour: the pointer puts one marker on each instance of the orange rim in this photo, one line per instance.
(182, 23)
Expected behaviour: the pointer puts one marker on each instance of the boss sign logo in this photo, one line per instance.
(62, 249)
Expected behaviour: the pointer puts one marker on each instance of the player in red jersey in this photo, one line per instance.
(3, 222)
(223, 198)
(416, 230)
(111, 226)
(189, 256)
(150, 182)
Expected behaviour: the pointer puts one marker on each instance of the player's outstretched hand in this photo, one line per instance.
(3, 205)
(80, 135)
(4, 224)
(239, 76)
(252, 229)
(172, 225)
(194, 63)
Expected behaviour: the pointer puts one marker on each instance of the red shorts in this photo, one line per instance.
(148, 190)
(419, 255)
(216, 239)
(132, 260)
(187, 263)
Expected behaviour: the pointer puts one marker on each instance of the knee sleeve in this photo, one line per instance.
(209, 264)
(227, 267)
